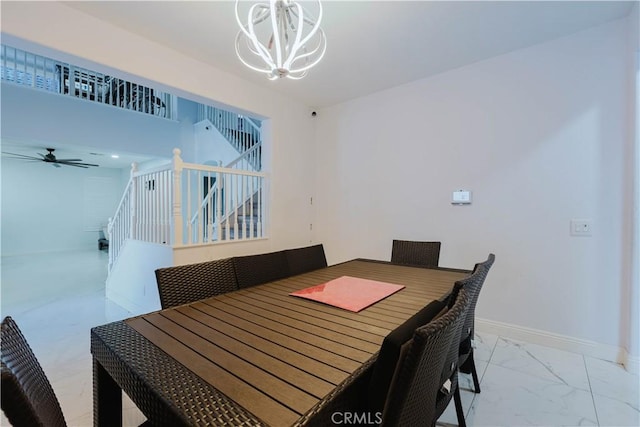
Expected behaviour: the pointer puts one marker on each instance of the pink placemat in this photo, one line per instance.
(350, 293)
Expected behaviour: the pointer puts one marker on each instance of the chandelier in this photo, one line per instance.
(287, 44)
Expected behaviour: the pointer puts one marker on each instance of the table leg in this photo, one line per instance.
(107, 398)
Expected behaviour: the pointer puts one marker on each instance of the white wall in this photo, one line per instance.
(132, 281)
(538, 135)
(210, 146)
(45, 208)
(33, 115)
(633, 179)
(89, 42)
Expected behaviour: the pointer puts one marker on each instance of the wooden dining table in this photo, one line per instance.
(256, 356)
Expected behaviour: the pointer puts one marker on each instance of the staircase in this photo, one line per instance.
(184, 204)
(242, 132)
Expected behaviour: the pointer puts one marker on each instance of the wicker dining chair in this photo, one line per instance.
(416, 254)
(254, 270)
(302, 260)
(27, 396)
(473, 285)
(391, 351)
(425, 379)
(466, 361)
(183, 284)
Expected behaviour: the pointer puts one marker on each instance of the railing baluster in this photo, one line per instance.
(219, 181)
(189, 226)
(197, 198)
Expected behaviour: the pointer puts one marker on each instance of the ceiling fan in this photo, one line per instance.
(51, 158)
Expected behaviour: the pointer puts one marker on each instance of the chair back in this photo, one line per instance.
(254, 270)
(473, 286)
(415, 396)
(27, 397)
(302, 260)
(417, 254)
(183, 284)
(391, 352)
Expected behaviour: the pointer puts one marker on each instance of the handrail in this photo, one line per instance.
(159, 168)
(250, 121)
(207, 168)
(205, 201)
(125, 194)
(246, 155)
(240, 131)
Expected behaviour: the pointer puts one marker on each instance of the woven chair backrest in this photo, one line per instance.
(418, 254)
(27, 396)
(183, 284)
(414, 396)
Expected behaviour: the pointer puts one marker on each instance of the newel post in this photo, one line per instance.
(177, 198)
(133, 202)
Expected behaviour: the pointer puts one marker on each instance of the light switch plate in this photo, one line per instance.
(581, 227)
(461, 197)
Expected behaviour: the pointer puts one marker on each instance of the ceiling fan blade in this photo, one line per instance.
(55, 165)
(82, 165)
(22, 156)
(68, 160)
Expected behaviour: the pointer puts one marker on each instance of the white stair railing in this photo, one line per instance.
(144, 211)
(243, 162)
(223, 204)
(119, 228)
(218, 203)
(242, 132)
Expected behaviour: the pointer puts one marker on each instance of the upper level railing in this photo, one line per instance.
(39, 72)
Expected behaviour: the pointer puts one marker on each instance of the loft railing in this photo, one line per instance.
(242, 132)
(27, 69)
(159, 206)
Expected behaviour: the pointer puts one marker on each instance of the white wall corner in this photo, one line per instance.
(561, 342)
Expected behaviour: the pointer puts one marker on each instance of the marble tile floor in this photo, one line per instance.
(57, 297)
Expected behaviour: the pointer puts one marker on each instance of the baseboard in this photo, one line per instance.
(562, 342)
(632, 363)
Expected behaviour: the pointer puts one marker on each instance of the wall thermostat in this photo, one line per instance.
(461, 197)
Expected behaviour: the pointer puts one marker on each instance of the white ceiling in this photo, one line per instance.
(372, 45)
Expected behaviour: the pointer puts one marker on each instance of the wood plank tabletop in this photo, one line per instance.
(277, 355)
